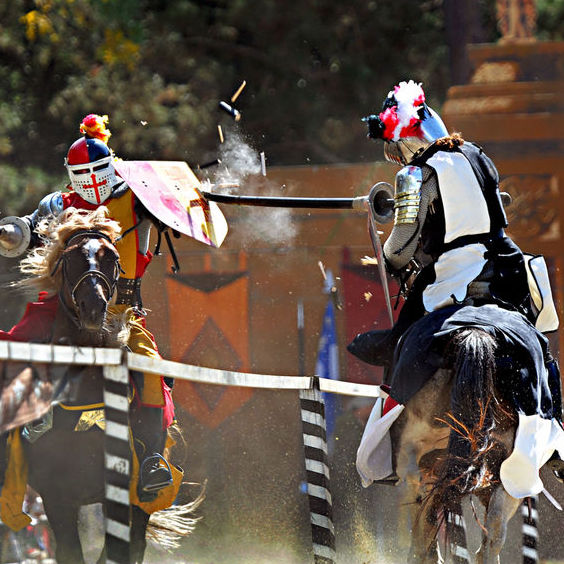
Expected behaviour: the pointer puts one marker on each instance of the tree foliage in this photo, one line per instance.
(158, 68)
(550, 20)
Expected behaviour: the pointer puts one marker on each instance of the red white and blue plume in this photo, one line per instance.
(401, 114)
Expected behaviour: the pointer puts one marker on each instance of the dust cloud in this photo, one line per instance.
(240, 173)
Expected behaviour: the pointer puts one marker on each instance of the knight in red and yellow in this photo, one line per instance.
(94, 182)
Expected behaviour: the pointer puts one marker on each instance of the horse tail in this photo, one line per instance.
(167, 527)
(471, 418)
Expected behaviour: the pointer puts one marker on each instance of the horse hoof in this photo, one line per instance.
(556, 465)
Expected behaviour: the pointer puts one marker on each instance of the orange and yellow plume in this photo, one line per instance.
(94, 126)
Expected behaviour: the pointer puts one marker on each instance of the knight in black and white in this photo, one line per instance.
(449, 226)
(449, 250)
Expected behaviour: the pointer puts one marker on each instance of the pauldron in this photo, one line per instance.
(52, 204)
(407, 194)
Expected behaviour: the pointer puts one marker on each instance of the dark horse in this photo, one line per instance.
(66, 465)
(457, 430)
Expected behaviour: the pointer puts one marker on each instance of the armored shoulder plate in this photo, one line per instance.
(119, 190)
(408, 194)
(52, 204)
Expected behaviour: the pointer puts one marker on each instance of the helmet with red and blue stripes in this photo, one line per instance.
(89, 161)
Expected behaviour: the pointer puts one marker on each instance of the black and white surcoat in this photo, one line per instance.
(450, 218)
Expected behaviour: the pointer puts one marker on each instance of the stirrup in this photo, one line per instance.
(153, 476)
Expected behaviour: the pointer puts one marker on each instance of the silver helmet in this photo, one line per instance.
(406, 123)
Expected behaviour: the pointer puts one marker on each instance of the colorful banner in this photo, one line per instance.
(365, 310)
(208, 316)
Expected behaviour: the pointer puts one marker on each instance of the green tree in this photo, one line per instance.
(158, 68)
(550, 20)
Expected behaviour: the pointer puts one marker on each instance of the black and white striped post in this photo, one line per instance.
(530, 530)
(117, 464)
(317, 471)
(456, 534)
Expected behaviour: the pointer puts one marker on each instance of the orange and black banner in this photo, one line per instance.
(209, 326)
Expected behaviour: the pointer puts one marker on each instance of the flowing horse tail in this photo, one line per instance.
(167, 527)
(471, 418)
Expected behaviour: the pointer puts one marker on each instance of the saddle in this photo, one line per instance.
(522, 351)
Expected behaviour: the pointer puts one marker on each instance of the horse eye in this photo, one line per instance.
(108, 256)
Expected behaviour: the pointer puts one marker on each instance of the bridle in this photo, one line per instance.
(108, 283)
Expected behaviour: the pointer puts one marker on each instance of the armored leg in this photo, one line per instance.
(146, 419)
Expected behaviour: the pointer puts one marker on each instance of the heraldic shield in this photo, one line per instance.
(171, 192)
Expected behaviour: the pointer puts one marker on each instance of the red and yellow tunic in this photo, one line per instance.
(121, 209)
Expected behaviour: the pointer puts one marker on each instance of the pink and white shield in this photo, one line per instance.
(171, 192)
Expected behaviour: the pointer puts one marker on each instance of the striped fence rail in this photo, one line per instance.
(317, 471)
(530, 530)
(456, 533)
(117, 464)
(117, 363)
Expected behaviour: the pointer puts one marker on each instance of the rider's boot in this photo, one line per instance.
(374, 347)
(149, 440)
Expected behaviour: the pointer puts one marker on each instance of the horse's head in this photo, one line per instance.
(79, 261)
(90, 271)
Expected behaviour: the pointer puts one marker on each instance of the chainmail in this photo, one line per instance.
(401, 245)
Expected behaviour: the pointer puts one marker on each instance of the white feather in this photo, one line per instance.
(405, 95)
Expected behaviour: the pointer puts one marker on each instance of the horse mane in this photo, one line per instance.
(453, 141)
(39, 266)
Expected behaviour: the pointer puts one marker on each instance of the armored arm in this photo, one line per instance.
(17, 233)
(415, 191)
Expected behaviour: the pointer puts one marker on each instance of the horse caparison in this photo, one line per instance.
(449, 442)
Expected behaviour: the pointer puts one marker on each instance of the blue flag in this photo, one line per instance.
(327, 365)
